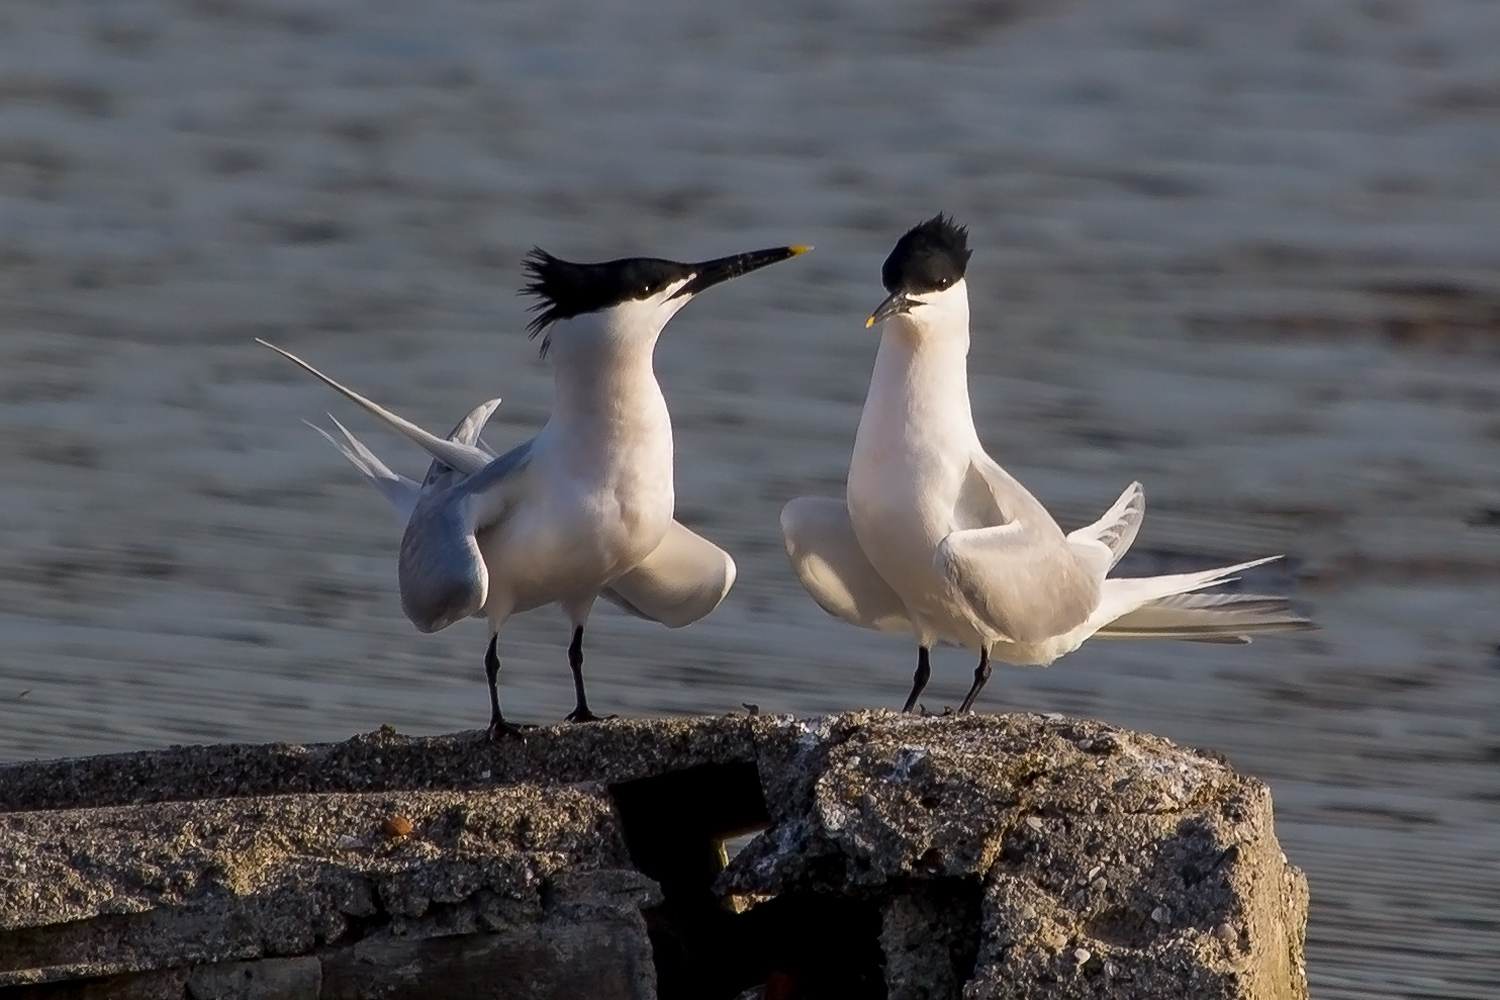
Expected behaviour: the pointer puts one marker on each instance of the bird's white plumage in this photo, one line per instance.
(583, 509)
(835, 570)
(681, 581)
(1117, 528)
(935, 538)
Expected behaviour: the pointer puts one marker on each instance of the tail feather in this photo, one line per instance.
(1197, 617)
(1117, 529)
(465, 458)
(396, 488)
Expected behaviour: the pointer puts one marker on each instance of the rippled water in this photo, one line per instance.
(1241, 251)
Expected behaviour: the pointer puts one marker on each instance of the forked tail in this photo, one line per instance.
(1169, 607)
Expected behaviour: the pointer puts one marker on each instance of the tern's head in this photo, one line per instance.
(626, 300)
(925, 275)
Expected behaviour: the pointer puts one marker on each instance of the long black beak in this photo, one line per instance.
(894, 304)
(712, 272)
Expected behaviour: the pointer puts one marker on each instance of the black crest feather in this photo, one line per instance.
(564, 289)
(931, 256)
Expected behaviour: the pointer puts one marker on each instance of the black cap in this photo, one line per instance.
(931, 256)
(564, 289)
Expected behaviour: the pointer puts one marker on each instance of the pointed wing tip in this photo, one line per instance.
(1244, 566)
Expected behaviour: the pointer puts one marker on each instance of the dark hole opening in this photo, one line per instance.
(802, 945)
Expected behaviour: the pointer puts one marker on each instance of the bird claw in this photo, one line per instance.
(584, 715)
(500, 730)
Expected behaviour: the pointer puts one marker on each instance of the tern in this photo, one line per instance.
(934, 538)
(585, 508)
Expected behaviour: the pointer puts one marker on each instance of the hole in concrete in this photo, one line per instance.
(675, 825)
(809, 945)
(812, 946)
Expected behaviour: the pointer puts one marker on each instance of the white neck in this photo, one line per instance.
(607, 404)
(919, 390)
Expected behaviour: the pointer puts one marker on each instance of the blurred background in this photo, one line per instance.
(1242, 251)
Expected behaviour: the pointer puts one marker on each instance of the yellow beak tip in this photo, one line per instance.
(799, 250)
(869, 322)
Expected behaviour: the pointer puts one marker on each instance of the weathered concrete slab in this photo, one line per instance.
(1112, 863)
(980, 856)
(92, 892)
(408, 849)
(616, 750)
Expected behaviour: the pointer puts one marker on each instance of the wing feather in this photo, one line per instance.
(1018, 584)
(440, 569)
(827, 558)
(465, 432)
(401, 492)
(465, 458)
(1117, 529)
(680, 582)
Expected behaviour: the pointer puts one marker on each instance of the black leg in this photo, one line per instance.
(580, 711)
(919, 681)
(981, 674)
(498, 726)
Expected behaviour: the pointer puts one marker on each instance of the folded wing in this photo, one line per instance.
(466, 432)
(1017, 583)
(826, 557)
(467, 490)
(440, 569)
(681, 581)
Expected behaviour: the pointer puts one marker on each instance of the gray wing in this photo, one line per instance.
(681, 581)
(827, 558)
(1016, 586)
(440, 569)
(465, 432)
(400, 491)
(1117, 529)
(1019, 580)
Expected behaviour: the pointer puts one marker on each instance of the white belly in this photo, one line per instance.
(899, 527)
(571, 540)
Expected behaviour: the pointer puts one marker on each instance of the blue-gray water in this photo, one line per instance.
(1242, 251)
